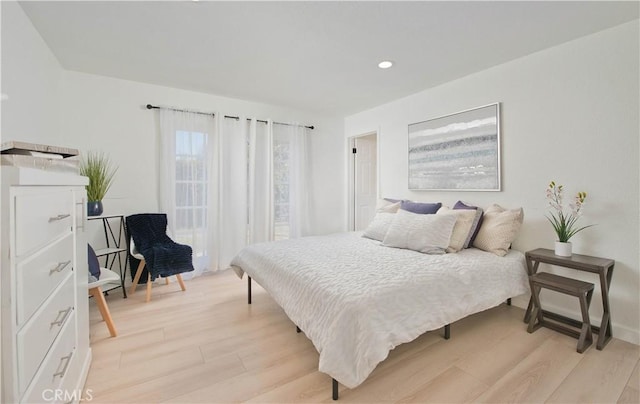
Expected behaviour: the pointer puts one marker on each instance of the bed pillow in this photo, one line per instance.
(386, 205)
(477, 222)
(499, 228)
(94, 265)
(462, 229)
(378, 227)
(429, 234)
(419, 207)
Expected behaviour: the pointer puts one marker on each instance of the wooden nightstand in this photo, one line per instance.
(603, 267)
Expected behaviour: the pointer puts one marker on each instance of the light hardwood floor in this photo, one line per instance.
(208, 345)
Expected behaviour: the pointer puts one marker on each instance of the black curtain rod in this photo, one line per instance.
(275, 123)
(149, 106)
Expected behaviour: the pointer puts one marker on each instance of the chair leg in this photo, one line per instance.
(181, 282)
(149, 282)
(136, 278)
(166, 280)
(104, 310)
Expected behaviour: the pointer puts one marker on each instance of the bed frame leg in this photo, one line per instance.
(298, 329)
(248, 289)
(509, 302)
(334, 388)
(447, 331)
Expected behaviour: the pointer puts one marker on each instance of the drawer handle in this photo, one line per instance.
(83, 208)
(66, 360)
(59, 267)
(59, 217)
(60, 320)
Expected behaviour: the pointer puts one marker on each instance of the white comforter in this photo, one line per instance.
(356, 299)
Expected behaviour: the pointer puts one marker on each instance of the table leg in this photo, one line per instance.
(586, 337)
(532, 269)
(527, 314)
(605, 334)
(537, 309)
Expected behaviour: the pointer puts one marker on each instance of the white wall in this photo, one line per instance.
(49, 105)
(569, 114)
(30, 80)
(102, 113)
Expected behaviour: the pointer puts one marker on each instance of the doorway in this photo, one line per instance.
(363, 179)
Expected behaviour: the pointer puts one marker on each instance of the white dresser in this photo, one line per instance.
(43, 286)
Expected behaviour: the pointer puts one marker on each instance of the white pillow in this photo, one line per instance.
(378, 227)
(384, 205)
(427, 234)
(499, 228)
(462, 228)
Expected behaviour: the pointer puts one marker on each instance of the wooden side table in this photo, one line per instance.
(603, 267)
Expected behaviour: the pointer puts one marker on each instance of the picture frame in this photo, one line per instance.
(456, 152)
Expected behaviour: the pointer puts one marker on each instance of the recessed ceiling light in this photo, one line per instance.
(385, 64)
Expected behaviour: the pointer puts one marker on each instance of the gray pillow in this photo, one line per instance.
(420, 208)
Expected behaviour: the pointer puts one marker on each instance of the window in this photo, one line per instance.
(222, 183)
(191, 190)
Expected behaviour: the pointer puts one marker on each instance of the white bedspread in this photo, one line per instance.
(356, 300)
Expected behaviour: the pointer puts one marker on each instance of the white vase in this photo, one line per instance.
(563, 249)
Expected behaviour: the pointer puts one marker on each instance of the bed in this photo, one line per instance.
(356, 300)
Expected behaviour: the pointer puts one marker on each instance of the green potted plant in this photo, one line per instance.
(564, 223)
(99, 169)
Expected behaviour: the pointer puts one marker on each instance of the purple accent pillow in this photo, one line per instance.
(462, 205)
(94, 265)
(420, 208)
(477, 223)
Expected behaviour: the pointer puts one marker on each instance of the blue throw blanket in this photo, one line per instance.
(163, 256)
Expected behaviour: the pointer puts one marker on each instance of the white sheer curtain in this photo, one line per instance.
(299, 191)
(260, 189)
(232, 203)
(225, 183)
(188, 182)
(291, 180)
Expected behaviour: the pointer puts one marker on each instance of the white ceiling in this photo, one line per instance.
(320, 56)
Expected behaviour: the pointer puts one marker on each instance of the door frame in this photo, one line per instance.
(351, 173)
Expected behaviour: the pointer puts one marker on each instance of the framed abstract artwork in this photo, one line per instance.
(457, 152)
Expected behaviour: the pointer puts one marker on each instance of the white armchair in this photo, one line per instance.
(106, 276)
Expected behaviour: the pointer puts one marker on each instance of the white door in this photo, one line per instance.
(365, 179)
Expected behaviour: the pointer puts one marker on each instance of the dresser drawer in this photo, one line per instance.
(35, 338)
(40, 274)
(42, 217)
(70, 390)
(54, 367)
